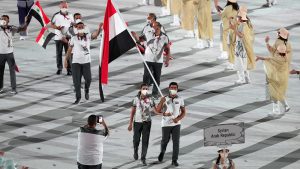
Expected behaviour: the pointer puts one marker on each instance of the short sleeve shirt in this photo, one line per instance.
(173, 107)
(59, 19)
(155, 47)
(81, 49)
(143, 109)
(90, 146)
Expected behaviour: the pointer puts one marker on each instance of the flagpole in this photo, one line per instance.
(142, 56)
(100, 70)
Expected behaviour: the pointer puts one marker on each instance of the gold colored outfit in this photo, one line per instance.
(229, 15)
(176, 7)
(204, 19)
(188, 15)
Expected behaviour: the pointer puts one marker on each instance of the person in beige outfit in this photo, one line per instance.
(205, 26)
(188, 17)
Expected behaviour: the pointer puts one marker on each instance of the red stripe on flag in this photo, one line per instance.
(41, 34)
(45, 17)
(110, 11)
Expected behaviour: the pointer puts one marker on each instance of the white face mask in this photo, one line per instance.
(80, 31)
(2, 22)
(75, 30)
(144, 92)
(64, 10)
(173, 92)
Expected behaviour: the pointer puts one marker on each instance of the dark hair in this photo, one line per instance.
(75, 14)
(158, 24)
(6, 16)
(173, 83)
(235, 6)
(284, 40)
(153, 16)
(218, 159)
(141, 86)
(92, 120)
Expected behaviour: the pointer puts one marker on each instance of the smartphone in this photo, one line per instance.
(99, 118)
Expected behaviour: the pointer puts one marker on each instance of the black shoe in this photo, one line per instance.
(58, 72)
(161, 157)
(144, 163)
(86, 95)
(175, 163)
(69, 73)
(267, 5)
(13, 92)
(77, 101)
(136, 156)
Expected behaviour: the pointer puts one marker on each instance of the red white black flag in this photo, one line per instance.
(44, 37)
(116, 39)
(37, 12)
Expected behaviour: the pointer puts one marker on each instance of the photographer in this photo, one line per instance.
(90, 143)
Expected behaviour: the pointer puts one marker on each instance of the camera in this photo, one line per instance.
(99, 118)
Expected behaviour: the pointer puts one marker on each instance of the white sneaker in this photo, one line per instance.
(189, 34)
(1, 91)
(200, 44)
(230, 66)
(224, 56)
(164, 12)
(22, 37)
(176, 21)
(239, 82)
(274, 2)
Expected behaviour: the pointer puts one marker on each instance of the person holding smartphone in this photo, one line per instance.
(90, 143)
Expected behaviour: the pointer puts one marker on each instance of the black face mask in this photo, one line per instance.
(282, 54)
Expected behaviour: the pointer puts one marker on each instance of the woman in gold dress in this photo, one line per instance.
(276, 68)
(229, 16)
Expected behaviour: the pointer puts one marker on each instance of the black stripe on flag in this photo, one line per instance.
(36, 15)
(48, 38)
(120, 44)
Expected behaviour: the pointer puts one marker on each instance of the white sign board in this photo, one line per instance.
(224, 134)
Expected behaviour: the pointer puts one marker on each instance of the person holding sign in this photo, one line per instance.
(173, 110)
(223, 162)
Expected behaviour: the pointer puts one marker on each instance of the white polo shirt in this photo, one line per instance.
(174, 106)
(81, 49)
(59, 19)
(90, 146)
(144, 107)
(6, 42)
(155, 47)
(148, 31)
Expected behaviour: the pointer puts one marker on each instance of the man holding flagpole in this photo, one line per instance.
(155, 47)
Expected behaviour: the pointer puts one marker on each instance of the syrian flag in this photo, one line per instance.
(116, 40)
(44, 37)
(37, 12)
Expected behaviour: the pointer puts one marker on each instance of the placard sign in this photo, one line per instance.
(224, 134)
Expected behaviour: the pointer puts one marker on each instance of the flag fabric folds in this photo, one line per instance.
(44, 37)
(37, 12)
(116, 39)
